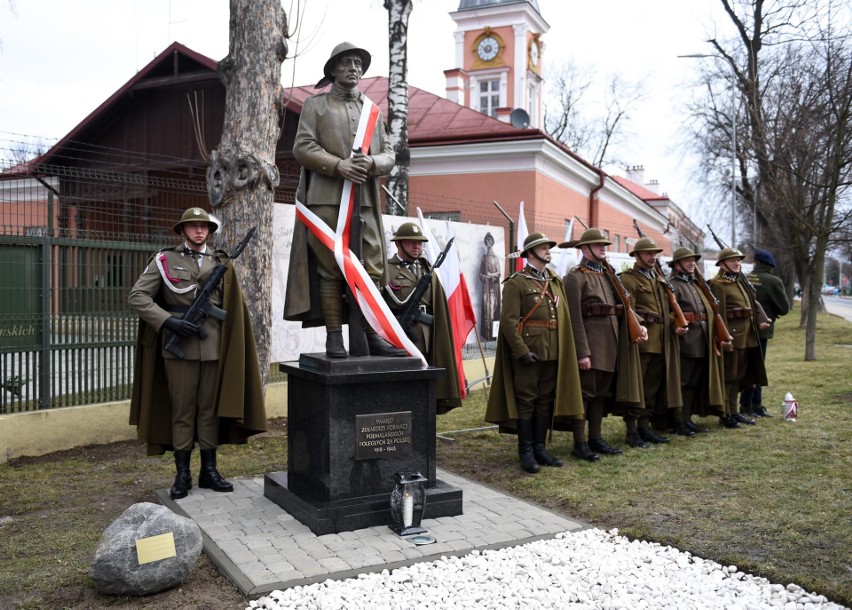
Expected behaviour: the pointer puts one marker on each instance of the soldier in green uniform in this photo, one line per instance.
(605, 355)
(660, 354)
(536, 384)
(177, 401)
(432, 332)
(772, 296)
(701, 383)
(743, 360)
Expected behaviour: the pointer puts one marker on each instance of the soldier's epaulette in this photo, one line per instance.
(511, 276)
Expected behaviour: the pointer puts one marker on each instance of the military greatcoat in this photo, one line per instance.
(652, 307)
(739, 308)
(171, 282)
(435, 341)
(700, 341)
(325, 136)
(548, 338)
(770, 294)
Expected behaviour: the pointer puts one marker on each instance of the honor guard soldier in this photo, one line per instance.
(212, 394)
(701, 382)
(432, 332)
(608, 362)
(743, 360)
(660, 354)
(773, 298)
(536, 382)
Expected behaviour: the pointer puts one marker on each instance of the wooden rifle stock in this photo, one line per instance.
(634, 328)
(719, 326)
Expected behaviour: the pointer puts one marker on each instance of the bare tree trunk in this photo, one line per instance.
(242, 174)
(398, 12)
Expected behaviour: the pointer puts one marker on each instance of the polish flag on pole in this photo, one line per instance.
(462, 318)
(520, 263)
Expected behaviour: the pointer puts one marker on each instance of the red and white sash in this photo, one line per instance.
(372, 305)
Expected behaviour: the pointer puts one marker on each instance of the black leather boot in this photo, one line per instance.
(582, 451)
(681, 429)
(540, 428)
(210, 477)
(649, 436)
(379, 347)
(695, 427)
(334, 347)
(599, 445)
(634, 440)
(183, 480)
(729, 422)
(760, 411)
(525, 446)
(743, 419)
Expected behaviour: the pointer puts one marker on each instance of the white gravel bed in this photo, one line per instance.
(584, 570)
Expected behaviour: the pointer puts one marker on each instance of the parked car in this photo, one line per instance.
(830, 290)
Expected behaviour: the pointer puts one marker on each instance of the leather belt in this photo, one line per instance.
(692, 317)
(597, 310)
(549, 324)
(738, 313)
(649, 317)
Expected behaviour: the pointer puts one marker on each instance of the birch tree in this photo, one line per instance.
(242, 174)
(398, 13)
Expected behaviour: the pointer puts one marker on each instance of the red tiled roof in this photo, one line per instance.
(432, 120)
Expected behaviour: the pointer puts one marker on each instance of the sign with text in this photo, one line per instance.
(155, 548)
(382, 435)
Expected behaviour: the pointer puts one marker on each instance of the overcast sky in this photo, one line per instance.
(60, 59)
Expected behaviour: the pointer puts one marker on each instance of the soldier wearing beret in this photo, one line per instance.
(212, 395)
(536, 383)
(660, 354)
(743, 360)
(773, 297)
(432, 331)
(701, 383)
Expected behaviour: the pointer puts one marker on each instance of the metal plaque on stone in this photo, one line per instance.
(382, 435)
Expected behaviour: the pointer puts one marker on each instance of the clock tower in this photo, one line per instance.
(498, 58)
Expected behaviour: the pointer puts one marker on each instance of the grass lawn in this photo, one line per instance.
(772, 499)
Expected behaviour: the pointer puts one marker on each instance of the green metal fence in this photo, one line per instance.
(72, 243)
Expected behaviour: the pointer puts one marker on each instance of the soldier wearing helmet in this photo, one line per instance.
(536, 383)
(660, 354)
(432, 332)
(324, 147)
(701, 382)
(743, 360)
(176, 401)
(608, 362)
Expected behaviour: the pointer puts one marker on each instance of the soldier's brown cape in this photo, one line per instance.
(239, 395)
(502, 407)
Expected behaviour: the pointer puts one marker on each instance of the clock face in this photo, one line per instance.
(534, 54)
(487, 48)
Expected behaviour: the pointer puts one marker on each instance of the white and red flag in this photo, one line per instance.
(372, 305)
(462, 318)
(520, 263)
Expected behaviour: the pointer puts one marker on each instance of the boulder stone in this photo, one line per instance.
(115, 569)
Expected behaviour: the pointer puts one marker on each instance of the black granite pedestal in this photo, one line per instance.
(353, 423)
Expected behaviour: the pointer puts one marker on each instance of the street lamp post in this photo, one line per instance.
(733, 119)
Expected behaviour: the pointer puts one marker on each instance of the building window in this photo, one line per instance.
(616, 242)
(451, 216)
(489, 96)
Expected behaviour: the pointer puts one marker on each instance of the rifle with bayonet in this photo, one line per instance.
(762, 318)
(635, 331)
(412, 312)
(202, 307)
(679, 318)
(722, 333)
